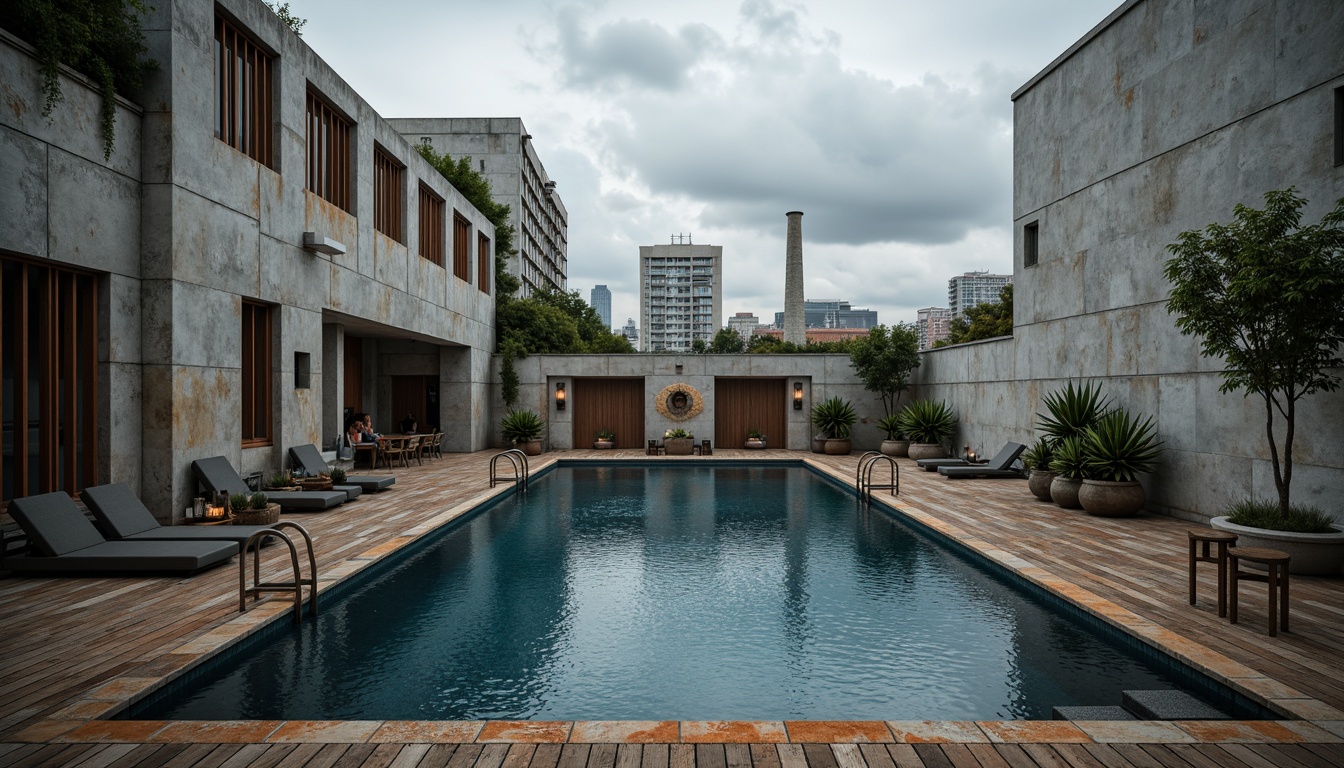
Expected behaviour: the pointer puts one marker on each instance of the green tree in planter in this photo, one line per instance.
(884, 359)
(1266, 295)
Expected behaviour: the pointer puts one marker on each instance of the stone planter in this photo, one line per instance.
(838, 446)
(1313, 554)
(919, 451)
(678, 446)
(529, 447)
(268, 516)
(1038, 482)
(1105, 498)
(604, 445)
(896, 447)
(818, 445)
(1064, 492)
(755, 443)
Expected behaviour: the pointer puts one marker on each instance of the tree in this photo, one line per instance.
(294, 23)
(698, 346)
(727, 341)
(884, 360)
(988, 320)
(1266, 294)
(554, 322)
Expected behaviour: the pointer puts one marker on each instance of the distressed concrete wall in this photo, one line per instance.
(822, 377)
(1159, 123)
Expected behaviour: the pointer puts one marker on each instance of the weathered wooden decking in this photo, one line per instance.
(74, 648)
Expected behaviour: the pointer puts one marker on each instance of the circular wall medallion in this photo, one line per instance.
(679, 402)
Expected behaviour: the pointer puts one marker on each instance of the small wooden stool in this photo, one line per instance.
(1223, 539)
(1275, 575)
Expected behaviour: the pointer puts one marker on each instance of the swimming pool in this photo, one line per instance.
(652, 592)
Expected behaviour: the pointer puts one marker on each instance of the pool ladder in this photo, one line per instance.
(296, 585)
(517, 461)
(863, 476)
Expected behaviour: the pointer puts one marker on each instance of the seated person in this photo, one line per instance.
(369, 435)
(408, 424)
(354, 433)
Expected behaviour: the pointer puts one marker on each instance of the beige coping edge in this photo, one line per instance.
(82, 721)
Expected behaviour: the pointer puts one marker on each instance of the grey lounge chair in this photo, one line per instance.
(309, 459)
(1000, 466)
(123, 517)
(66, 542)
(1002, 460)
(217, 474)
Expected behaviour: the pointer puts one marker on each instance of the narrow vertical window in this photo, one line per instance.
(431, 225)
(256, 374)
(483, 263)
(388, 195)
(1031, 244)
(1339, 126)
(461, 244)
(328, 153)
(243, 94)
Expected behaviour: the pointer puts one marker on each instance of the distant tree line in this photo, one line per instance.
(983, 321)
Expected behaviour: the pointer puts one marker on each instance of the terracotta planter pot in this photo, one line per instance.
(678, 446)
(838, 446)
(604, 445)
(1104, 498)
(1313, 554)
(755, 444)
(267, 516)
(1064, 492)
(896, 447)
(1038, 482)
(919, 451)
(529, 447)
(818, 445)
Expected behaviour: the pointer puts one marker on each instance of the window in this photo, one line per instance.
(48, 379)
(256, 374)
(431, 225)
(1030, 244)
(328, 153)
(461, 241)
(243, 94)
(1339, 126)
(483, 263)
(388, 195)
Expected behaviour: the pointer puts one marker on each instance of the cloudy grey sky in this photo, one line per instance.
(888, 123)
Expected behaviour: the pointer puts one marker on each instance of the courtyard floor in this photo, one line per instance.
(77, 649)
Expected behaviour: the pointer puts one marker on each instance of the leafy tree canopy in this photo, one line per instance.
(983, 321)
(295, 23)
(1266, 295)
(772, 345)
(555, 322)
(884, 360)
(727, 341)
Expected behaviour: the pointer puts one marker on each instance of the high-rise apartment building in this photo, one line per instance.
(631, 332)
(500, 148)
(966, 290)
(832, 313)
(681, 290)
(934, 324)
(600, 299)
(744, 323)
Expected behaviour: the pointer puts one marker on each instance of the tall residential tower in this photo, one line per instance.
(681, 294)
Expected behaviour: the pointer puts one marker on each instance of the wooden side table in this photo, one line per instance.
(1275, 575)
(1204, 537)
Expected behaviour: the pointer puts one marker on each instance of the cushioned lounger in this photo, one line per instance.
(124, 518)
(1002, 460)
(978, 471)
(217, 474)
(65, 541)
(309, 459)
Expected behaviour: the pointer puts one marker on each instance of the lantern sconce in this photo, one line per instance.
(798, 396)
(560, 396)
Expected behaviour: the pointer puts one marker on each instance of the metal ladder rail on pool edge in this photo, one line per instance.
(520, 473)
(863, 476)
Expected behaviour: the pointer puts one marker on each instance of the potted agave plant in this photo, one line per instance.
(1070, 412)
(1070, 467)
(1115, 451)
(835, 417)
(895, 444)
(1037, 460)
(606, 440)
(927, 424)
(755, 440)
(522, 429)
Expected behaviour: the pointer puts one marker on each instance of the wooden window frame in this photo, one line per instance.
(483, 261)
(257, 350)
(244, 93)
(328, 138)
(389, 195)
(432, 208)
(461, 246)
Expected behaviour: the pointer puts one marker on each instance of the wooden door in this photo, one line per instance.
(605, 403)
(744, 404)
(354, 374)
(409, 395)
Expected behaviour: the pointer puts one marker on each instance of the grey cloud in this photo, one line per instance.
(633, 52)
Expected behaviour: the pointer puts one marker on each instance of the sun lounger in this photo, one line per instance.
(309, 459)
(123, 517)
(217, 474)
(64, 541)
(1000, 466)
(1002, 460)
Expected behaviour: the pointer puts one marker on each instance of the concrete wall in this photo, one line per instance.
(1159, 122)
(822, 377)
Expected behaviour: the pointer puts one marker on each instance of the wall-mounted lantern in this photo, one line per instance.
(560, 396)
(797, 395)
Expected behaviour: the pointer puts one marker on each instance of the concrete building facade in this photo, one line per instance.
(966, 290)
(934, 324)
(501, 149)
(832, 313)
(1160, 120)
(631, 332)
(195, 321)
(744, 324)
(600, 299)
(681, 295)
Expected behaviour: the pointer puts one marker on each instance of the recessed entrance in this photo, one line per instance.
(745, 404)
(606, 403)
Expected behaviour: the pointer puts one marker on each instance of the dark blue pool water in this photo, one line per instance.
(676, 593)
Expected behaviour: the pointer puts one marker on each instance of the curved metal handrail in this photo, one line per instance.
(867, 456)
(295, 585)
(520, 470)
(893, 485)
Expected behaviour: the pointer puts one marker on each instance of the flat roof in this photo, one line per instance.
(1084, 40)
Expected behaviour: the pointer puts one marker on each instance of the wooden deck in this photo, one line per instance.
(76, 648)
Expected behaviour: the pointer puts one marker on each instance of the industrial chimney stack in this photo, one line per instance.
(795, 322)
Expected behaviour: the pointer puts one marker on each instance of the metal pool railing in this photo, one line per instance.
(863, 476)
(517, 461)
